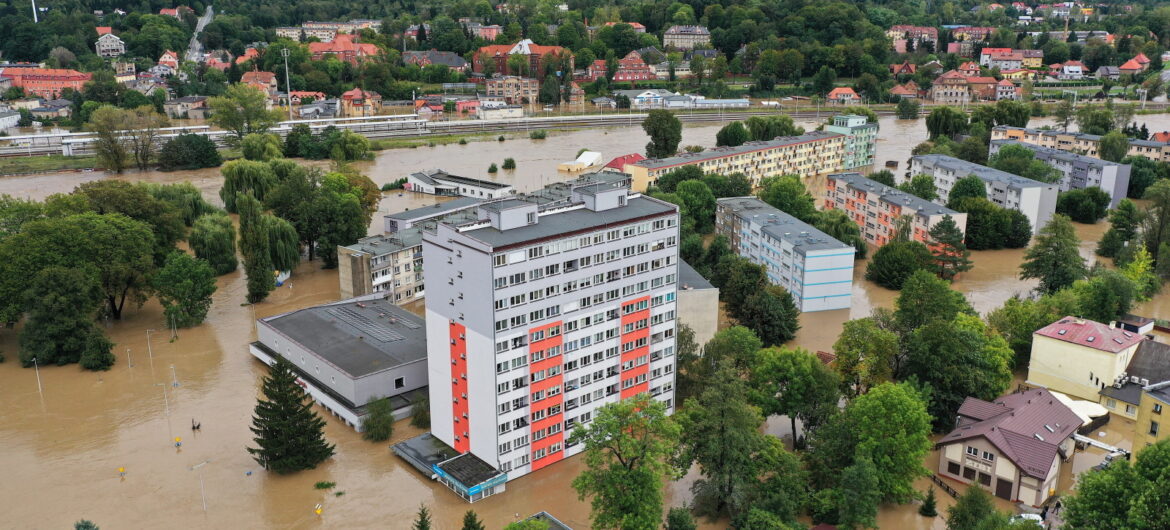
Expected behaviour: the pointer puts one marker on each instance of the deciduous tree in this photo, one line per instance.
(213, 238)
(1054, 259)
(896, 261)
(665, 133)
(184, 286)
(60, 328)
(865, 355)
(242, 110)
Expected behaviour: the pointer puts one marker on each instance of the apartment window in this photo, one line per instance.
(532, 218)
(1130, 409)
(1153, 428)
(1157, 408)
(500, 260)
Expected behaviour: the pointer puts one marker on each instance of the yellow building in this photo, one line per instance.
(1151, 427)
(1076, 142)
(814, 153)
(1080, 357)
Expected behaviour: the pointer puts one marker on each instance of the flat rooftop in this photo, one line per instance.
(437, 209)
(561, 223)
(986, 173)
(782, 226)
(689, 278)
(726, 151)
(892, 195)
(1049, 153)
(359, 337)
(468, 181)
(385, 244)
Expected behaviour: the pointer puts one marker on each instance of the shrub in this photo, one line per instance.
(492, 168)
(463, 141)
(538, 134)
(500, 138)
(188, 151)
(509, 163)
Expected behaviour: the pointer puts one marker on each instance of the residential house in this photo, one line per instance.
(950, 88)
(1080, 143)
(686, 37)
(109, 45)
(1006, 89)
(9, 119)
(499, 112)
(344, 48)
(424, 58)
(187, 107)
(919, 35)
(45, 82)
(1162, 137)
(970, 69)
(358, 102)
(262, 81)
(1131, 67)
(908, 90)
(103, 30)
(986, 54)
(1108, 72)
(619, 163)
(299, 97)
(906, 68)
(876, 208)
(1069, 70)
(603, 103)
(982, 88)
(576, 94)
(843, 95)
(816, 268)
(169, 59)
(218, 64)
(413, 30)
(498, 55)
(53, 108)
(249, 54)
(969, 33)
(514, 90)
(1019, 74)
(439, 182)
(631, 68)
(1080, 357)
(318, 109)
(1013, 447)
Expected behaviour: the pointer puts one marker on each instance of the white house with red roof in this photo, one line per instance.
(843, 95)
(1013, 447)
(169, 58)
(1080, 357)
(619, 163)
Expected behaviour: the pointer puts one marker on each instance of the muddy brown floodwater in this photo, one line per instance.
(62, 447)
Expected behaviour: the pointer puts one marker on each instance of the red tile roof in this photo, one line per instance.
(263, 78)
(842, 92)
(1027, 428)
(621, 161)
(1131, 65)
(1141, 58)
(1163, 137)
(1090, 334)
(102, 30)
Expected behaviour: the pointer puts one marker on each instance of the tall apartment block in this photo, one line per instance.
(807, 155)
(538, 313)
(876, 207)
(1079, 171)
(1037, 200)
(1080, 143)
(860, 140)
(814, 267)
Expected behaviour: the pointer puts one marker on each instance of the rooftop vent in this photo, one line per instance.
(1038, 437)
(1062, 332)
(1049, 428)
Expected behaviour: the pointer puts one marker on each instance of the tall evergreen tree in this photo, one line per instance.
(423, 520)
(950, 253)
(289, 434)
(1055, 259)
(471, 521)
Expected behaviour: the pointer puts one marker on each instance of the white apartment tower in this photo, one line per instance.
(539, 313)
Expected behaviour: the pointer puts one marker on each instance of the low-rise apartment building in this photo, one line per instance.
(860, 140)
(47, 83)
(1080, 143)
(1155, 399)
(513, 89)
(439, 182)
(814, 267)
(813, 153)
(876, 207)
(686, 37)
(1080, 357)
(1079, 171)
(1036, 200)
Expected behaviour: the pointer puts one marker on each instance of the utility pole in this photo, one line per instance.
(287, 87)
(35, 18)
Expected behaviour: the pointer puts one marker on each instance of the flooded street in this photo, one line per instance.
(68, 442)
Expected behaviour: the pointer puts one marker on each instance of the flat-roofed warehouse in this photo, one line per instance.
(351, 352)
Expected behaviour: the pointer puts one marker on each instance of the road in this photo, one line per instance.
(195, 48)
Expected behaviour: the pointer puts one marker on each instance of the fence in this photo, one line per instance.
(943, 484)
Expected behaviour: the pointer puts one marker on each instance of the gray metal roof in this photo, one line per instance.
(385, 244)
(468, 181)
(552, 225)
(427, 211)
(892, 195)
(782, 226)
(1048, 153)
(358, 337)
(986, 173)
(689, 278)
(721, 152)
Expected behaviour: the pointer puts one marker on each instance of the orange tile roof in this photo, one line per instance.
(1130, 65)
(102, 30)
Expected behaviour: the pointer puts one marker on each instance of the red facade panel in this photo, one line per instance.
(459, 417)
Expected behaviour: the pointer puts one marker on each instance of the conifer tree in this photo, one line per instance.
(471, 521)
(289, 433)
(929, 506)
(950, 253)
(423, 522)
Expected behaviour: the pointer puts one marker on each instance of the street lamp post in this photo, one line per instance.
(287, 87)
(202, 492)
(37, 368)
(150, 351)
(167, 405)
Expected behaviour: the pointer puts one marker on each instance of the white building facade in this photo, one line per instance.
(541, 314)
(1036, 200)
(814, 267)
(1079, 171)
